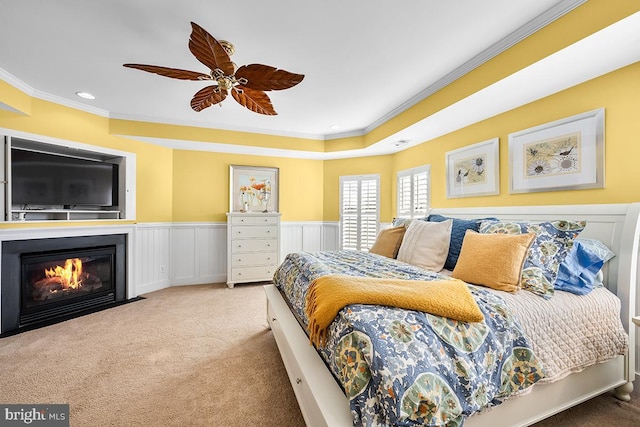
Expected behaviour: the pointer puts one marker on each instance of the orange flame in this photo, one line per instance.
(69, 274)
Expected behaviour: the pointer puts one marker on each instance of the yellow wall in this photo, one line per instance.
(182, 185)
(154, 164)
(618, 92)
(333, 169)
(201, 185)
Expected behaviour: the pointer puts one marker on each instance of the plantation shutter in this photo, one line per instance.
(413, 192)
(404, 196)
(359, 211)
(421, 193)
(349, 217)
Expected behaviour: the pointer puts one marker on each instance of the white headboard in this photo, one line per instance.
(616, 225)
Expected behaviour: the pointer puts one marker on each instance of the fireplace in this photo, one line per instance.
(49, 280)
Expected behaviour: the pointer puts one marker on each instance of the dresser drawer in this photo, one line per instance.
(253, 259)
(243, 274)
(253, 245)
(254, 220)
(254, 231)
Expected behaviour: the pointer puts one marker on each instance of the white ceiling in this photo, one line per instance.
(364, 61)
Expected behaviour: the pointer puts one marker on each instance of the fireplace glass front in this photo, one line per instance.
(58, 282)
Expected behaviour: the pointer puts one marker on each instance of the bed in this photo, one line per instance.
(317, 384)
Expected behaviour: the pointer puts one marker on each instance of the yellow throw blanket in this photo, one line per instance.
(329, 294)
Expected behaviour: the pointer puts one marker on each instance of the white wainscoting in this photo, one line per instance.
(173, 254)
(152, 257)
(198, 253)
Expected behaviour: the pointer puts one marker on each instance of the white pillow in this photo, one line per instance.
(426, 244)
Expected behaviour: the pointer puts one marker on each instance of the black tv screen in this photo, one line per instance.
(49, 179)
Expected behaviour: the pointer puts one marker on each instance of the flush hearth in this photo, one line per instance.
(48, 280)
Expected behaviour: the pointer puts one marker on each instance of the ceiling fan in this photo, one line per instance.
(247, 84)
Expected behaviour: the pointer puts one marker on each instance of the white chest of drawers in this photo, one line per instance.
(253, 247)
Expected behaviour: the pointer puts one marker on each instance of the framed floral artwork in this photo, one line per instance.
(567, 154)
(474, 170)
(253, 189)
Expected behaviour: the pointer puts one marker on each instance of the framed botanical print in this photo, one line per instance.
(474, 170)
(567, 154)
(253, 189)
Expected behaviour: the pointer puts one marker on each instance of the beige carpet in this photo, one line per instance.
(195, 355)
(185, 356)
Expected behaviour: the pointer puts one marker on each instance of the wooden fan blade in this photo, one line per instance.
(207, 97)
(266, 77)
(174, 73)
(208, 51)
(255, 100)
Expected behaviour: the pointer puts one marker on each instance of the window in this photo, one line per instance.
(413, 192)
(359, 212)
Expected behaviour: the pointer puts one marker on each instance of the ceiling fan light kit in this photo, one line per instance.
(247, 84)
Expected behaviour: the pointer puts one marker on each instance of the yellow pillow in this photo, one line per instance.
(388, 242)
(493, 260)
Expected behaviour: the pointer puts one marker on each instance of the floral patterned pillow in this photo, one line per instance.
(553, 241)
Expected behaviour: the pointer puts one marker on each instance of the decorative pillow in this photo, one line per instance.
(426, 244)
(597, 247)
(493, 260)
(458, 229)
(397, 222)
(578, 273)
(552, 243)
(388, 242)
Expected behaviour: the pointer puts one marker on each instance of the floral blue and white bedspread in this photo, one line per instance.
(407, 368)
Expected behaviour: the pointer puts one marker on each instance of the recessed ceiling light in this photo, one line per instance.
(334, 127)
(85, 95)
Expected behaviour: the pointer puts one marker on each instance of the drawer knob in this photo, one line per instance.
(239, 259)
(273, 319)
(239, 246)
(268, 258)
(298, 380)
(268, 231)
(268, 245)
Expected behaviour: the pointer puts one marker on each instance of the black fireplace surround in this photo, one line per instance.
(45, 281)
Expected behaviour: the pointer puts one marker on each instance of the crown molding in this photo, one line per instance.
(552, 14)
(537, 23)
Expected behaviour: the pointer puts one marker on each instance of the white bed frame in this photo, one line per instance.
(323, 403)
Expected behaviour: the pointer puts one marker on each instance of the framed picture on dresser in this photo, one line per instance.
(253, 189)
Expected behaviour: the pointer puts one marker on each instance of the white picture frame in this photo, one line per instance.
(253, 189)
(474, 170)
(566, 154)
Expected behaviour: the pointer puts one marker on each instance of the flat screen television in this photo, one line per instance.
(50, 180)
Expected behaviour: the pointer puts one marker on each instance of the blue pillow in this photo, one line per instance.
(554, 240)
(577, 272)
(458, 229)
